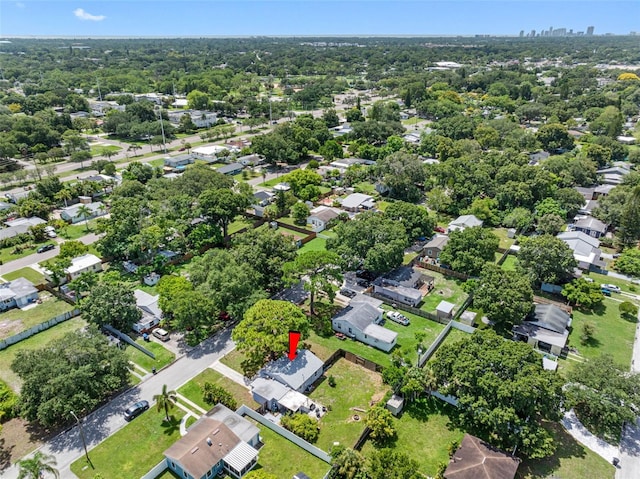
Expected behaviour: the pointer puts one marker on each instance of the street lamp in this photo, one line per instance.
(164, 143)
(84, 442)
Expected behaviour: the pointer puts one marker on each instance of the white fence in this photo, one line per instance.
(16, 338)
(156, 470)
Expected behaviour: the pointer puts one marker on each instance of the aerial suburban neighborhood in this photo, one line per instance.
(354, 258)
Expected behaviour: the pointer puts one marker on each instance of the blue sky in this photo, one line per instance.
(311, 17)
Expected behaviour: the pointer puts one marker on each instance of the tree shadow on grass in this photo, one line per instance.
(423, 408)
(171, 426)
(566, 447)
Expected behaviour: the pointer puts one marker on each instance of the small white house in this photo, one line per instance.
(208, 153)
(320, 216)
(463, 222)
(83, 264)
(73, 214)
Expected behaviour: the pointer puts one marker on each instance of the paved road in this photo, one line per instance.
(98, 426)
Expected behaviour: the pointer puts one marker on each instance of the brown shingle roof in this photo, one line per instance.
(476, 459)
(194, 453)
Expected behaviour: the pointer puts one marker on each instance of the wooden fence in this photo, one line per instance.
(444, 271)
(353, 358)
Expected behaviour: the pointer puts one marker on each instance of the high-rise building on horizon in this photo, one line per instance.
(590, 30)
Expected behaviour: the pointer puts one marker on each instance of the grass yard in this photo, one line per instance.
(366, 188)
(571, 461)
(316, 244)
(233, 359)
(238, 224)
(614, 334)
(10, 253)
(26, 273)
(288, 232)
(193, 389)
(134, 449)
(99, 149)
(408, 258)
(509, 263)
(382, 205)
(447, 289)
(73, 232)
(15, 320)
(355, 387)
(157, 163)
(282, 458)
(163, 355)
(34, 342)
(505, 241)
(621, 283)
(424, 434)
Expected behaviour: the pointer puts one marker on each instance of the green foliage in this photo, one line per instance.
(416, 219)
(469, 250)
(603, 396)
(388, 463)
(8, 402)
(165, 400)
(380, 250)
(302, 425)
(628, 309)
(628, 262)
(113, 304)
(554, 136)
(502, 391)
(346, 464)
(504, 296)
(213, 394)
(587, 333)
(72, 249)
(76, 372)
(629, 232)
(300, 213)
(545, 258)
(583, 293)
(36, 466)
(401, 173)
(263, 334)
(380, 421)
(221, 206)
(331, 381)
(260, 474)
(393, 375)
(550, 224)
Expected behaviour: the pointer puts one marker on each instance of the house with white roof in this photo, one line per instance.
(357, 202)
(83, 264)
(208, 153)
(297, 374)
(151, 312)
(320, 216)
(361, 321)
(73, 215)
(586, 250)
(463, 222)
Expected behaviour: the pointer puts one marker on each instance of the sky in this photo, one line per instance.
(180, 18)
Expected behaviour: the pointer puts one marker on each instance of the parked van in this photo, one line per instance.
(161, 334)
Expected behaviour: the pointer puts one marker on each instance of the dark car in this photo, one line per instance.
(46, 247)
(363, 283)
(135, 410)
(347, 292)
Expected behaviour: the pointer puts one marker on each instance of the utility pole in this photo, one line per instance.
(164, 143)
(99, 94)
(84, 442)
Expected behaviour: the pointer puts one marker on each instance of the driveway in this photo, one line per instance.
(99, 425)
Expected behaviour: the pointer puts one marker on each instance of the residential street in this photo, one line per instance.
(67, 446)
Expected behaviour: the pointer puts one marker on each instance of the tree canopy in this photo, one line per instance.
(469, 250)
(546, 258)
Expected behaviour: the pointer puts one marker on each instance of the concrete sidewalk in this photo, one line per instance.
(574, 427)
(232, 374)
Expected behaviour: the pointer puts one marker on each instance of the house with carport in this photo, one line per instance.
(546, 329)
(320, 216)
(362, 320)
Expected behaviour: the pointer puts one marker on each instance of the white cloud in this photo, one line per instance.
(20, 5)
(82, 15)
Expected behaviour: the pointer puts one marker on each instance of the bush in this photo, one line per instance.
(628, 309)
(213, 394)
(8, 402)
(331, 381)
(302, 425)
(588, 330)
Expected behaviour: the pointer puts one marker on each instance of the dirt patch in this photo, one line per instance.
(18, 438)
(9, 328)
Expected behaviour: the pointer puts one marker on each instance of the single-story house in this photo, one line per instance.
(626, 140)
(589, 225)
(220, 441)
(19, 226)
(341, 130)
(284, 186)
(463, 222)
(151, 312)
(588, 207)
(295, 294)
(179, 162)
(73, 214)
(17, 294)
(208, 153)
(614, 174)
(297, 374)
(444, 310)
(476, 459)
(358, 201)
(536, 158)
(361, 321)
(251, 160)
(230, 169)
(404, 285)
(276, 397)
(587, 193)
(602, 190)
(435, 245)
(586, 250)
(201, 119)
(547, 329)
(83, 264)
(320, 216)
(263, 198)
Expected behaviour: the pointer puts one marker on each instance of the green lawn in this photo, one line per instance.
(26, 273)
(233, 360)
(316, 244)
(366, 188)
(505, 241)
(98, 150)
(193, 389)
(157, 163)
(571, 461)
(134, 449)
(238, 224)
(281, 457)
(163, 355)
(73, 232)
(355, 387)
(424, 434)
(10, 253)
(614, 334)
(382, 205)
(16, 320)
(509, 263)
(445, 288)
(34, 342)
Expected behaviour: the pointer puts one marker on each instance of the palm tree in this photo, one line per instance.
(64, 195)
(166, 400)
(35, 467)
(85, 212)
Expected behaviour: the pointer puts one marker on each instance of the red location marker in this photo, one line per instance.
(294, 339)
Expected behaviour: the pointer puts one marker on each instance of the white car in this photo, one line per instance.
(612, 287)
(398, 318)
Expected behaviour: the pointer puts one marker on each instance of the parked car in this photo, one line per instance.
(161, 334)
(612, 287)
(439, 229)
(45, 247)
(398, 318)
(341, 336)
(606, 292)
(347, 292)
(135, 410)
(363, 283)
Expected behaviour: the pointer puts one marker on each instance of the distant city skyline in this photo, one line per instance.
(187, 18)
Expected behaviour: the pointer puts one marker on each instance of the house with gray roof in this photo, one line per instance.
(251, 160)
(589, 225)
(230, 169)
(463, 222)
(179, 162)
(546, 328)
(320, 216)
(586, 250)
(361, 321)
(17, 294)
(72, 213)
(435, 245)
(403, 285)
(297, 374)
(614, 175)
(19, 226)
(357, 202)
(151, 312)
